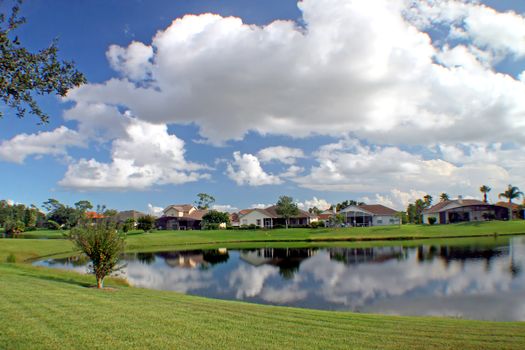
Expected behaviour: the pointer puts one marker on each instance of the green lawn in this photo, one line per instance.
(50, 309)
(46, 308)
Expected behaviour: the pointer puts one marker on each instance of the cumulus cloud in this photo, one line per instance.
(147, 156)
(53, 142)
(154, 210)
(246, 170)
(349, 165)
(319, 203)
(282, 154)
(367, 67)
(227, 208)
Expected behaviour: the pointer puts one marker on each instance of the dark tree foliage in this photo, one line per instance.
(146, 223)
(213, 219)
(204, 201)
(24, 74)
(103, 246)
(287, 208)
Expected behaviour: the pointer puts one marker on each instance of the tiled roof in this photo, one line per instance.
(378, 209)
(93, 215)
(462, 203)
(506, 205)
(180, 207)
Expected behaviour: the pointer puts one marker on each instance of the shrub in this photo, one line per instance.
(146, 223)
(211, 226)
(52, 225)
(11, 258)
(279, 226)
(432, 220)
(14, 228)
(103, 246)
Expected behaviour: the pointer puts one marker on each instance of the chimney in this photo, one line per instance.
(460, 199)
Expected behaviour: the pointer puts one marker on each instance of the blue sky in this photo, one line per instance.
(382, 101)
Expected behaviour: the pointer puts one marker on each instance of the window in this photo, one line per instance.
(380, 221)
(258, 222)
(245, 221)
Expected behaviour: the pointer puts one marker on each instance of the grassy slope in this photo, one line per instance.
(51, 309)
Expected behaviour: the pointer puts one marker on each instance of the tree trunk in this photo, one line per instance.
(286, 223)
(485, 197)
(100, 283)
(510, 209)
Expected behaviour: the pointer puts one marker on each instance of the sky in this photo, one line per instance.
(382, 101)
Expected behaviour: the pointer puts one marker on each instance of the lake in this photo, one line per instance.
(485, 282)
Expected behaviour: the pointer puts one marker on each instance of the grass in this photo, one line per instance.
(50, 309)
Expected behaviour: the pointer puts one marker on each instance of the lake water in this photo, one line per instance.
(476, 282)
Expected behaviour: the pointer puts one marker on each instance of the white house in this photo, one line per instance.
(370, 215)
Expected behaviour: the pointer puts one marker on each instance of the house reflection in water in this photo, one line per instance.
(186, 259)
(287, 260)
(354, 256)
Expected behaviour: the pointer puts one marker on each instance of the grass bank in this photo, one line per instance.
(24, 249)
(50, 309)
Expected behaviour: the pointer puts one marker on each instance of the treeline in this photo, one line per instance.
(17, 218)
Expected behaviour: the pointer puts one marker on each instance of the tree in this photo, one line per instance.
(213, 219)
(24, 74)
(287, 208)
(485, 189)
(428, 201)
(315, 211)
(204, 201)
(83, 206)
(512, 192)
(146, 223)
(103, 245)
(14, 227)
(443, 197)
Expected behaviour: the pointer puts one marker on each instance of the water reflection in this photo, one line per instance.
(480, 282)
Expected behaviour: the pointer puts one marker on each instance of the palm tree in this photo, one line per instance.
(511, 193)
(485, 189)
(444, 197)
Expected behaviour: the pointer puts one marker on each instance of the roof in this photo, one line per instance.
(128, 214)
(94, 215)
(180, 207)
(197, 214)
(378, 209)
(507, 205)
(458, 202)
(273, 212)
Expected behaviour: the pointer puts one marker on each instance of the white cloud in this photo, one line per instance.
(53, 142)
(283, 154)
(395, 199)
(147, 156)
(319, 203)
(246, 170)
(227, 208)
(356, 66)
(348, 165)
(260, 205)
(155, 211)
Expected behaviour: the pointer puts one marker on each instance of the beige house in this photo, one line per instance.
(268, 218)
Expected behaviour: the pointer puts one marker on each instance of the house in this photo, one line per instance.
(268, 218)
(180, 217)
(93, 217)
(370, 215)
(517, 211)
(123, 216)
(464, 210)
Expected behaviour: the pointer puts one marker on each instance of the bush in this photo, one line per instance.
(146, 223)
(103, 246)
(432, 220)
(279, 226)
(52, 225)
(31, 228)
(14, 228)
(11, 258)
(253, 227)
(315, 224)
(211, 226)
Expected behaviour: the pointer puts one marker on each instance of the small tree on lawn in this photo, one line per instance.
(287, 208)
(14, 227)
(213, 219)
(146, 223)
(103, 245)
